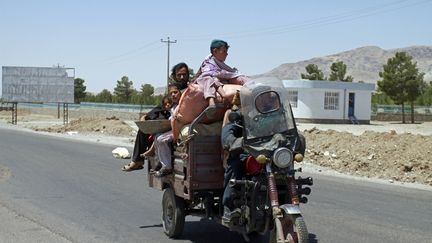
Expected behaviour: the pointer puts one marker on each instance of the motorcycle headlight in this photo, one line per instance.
(283, 157)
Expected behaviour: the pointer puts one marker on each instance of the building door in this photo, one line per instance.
(351, 101)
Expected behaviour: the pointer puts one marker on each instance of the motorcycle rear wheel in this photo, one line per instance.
(173, 214)
(294, 230)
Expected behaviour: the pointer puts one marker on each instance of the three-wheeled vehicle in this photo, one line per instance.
(269, 194)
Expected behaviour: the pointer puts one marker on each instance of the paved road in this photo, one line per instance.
(75, 192)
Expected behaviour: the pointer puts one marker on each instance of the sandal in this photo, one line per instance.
(133, 166)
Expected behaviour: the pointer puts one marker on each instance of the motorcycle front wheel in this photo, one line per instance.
(293, 230)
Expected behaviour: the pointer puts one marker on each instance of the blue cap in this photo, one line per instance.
(218, 44)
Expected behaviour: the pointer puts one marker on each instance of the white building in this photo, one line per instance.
(330, 101)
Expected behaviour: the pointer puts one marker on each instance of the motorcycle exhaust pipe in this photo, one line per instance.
(304, 181)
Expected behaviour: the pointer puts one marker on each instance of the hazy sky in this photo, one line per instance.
(105, 40)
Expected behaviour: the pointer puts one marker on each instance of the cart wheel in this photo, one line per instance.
(173, 213)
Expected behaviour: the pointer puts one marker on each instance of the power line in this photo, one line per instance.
(345, 18)
(131, 52)
(132, 55)
(280, 30)
(313, 23)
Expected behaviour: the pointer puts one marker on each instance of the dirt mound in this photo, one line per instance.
(400, 157)
(109, 126)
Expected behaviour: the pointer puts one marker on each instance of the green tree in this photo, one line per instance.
(79, 90)
(380, 98)
(426, 97)
(147, 94)
(104, 96)
(338, 71)
(124, 90)
(313, 73)
(157, 99)
(89, 97)
(401, 81)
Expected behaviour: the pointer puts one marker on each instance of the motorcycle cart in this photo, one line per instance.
(269, 195)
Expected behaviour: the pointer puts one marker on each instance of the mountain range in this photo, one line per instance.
(363, 64)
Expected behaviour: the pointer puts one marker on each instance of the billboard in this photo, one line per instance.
(38, 84)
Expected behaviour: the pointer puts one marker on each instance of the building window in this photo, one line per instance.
(331, 101)
(293, 97)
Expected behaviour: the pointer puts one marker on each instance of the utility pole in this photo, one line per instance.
(168, 58)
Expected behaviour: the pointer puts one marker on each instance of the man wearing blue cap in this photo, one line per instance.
(214, 73)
